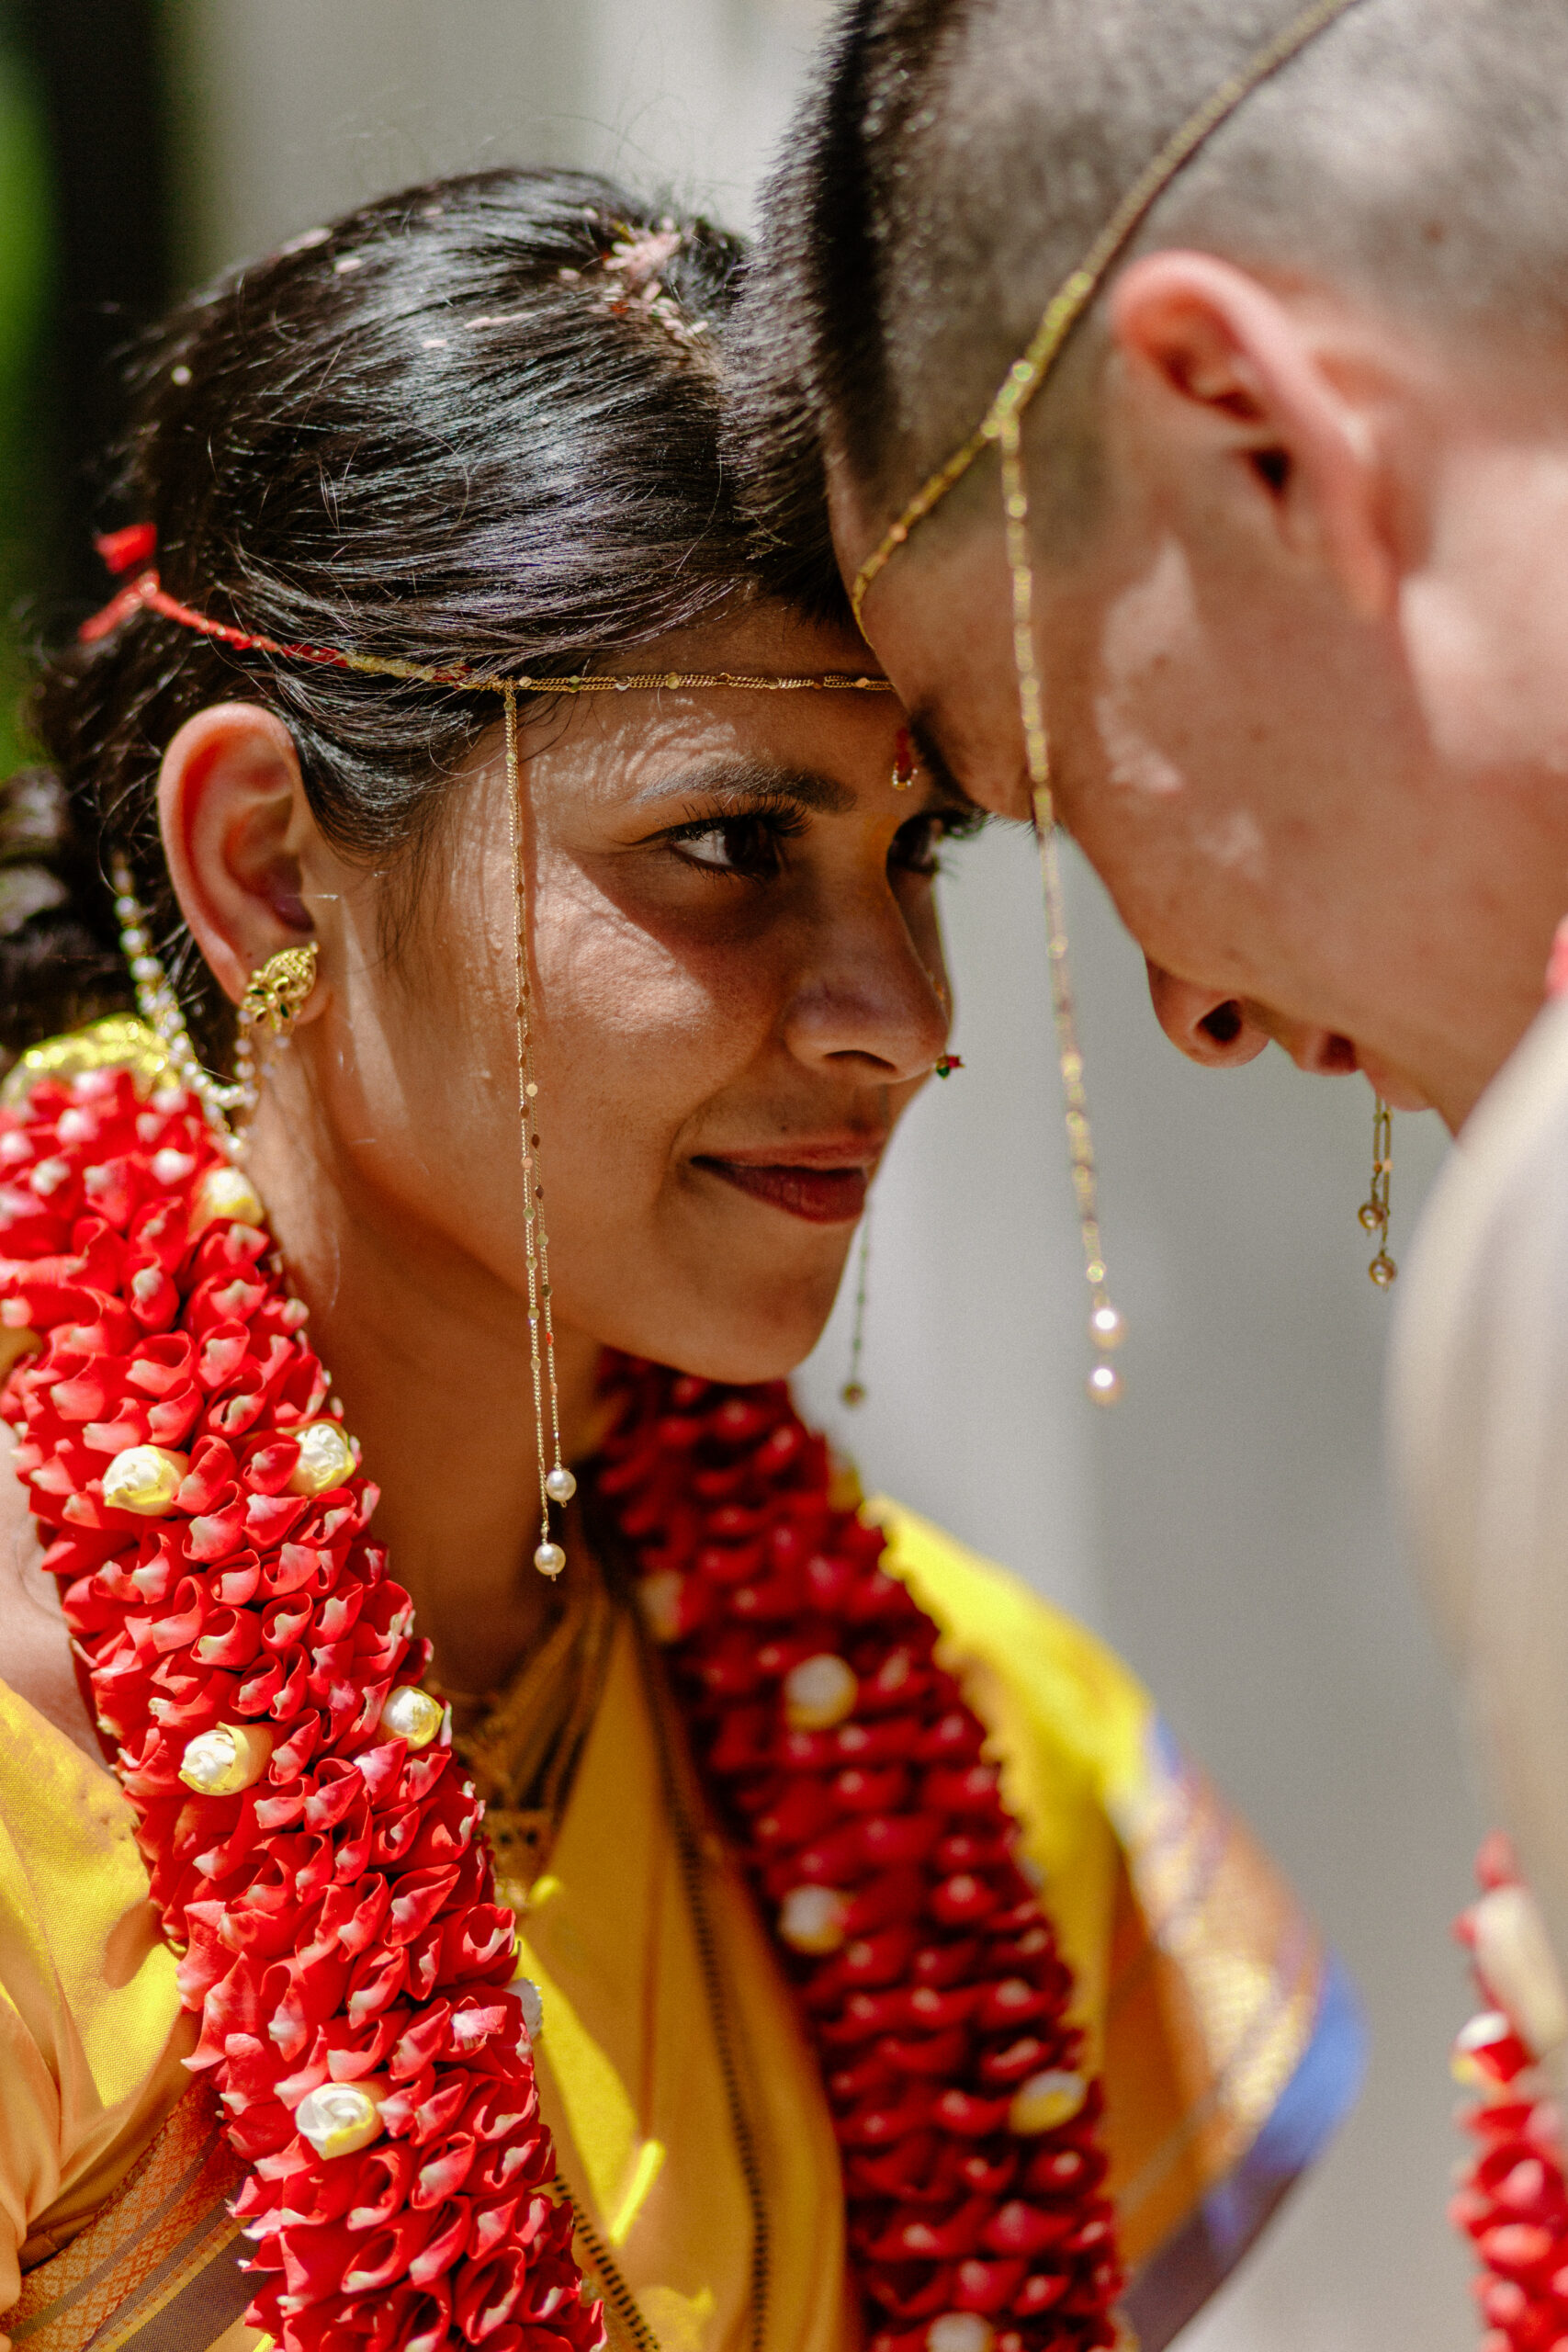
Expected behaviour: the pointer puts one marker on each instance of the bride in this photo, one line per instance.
(765, 1925)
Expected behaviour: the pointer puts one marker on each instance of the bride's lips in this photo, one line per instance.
(823, 1183)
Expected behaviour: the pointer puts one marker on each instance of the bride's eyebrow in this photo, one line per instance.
(744, 784)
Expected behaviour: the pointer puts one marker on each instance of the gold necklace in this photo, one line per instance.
(522, 1744)
(693, 1849)
(523, 1755)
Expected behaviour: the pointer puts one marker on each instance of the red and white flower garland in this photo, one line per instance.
(854, 1780)
(335, 1914)
(1512, 2201)
(313, 1851)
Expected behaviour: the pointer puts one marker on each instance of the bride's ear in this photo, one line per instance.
(237, 829)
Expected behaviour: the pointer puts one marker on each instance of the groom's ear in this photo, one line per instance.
(1227, 375)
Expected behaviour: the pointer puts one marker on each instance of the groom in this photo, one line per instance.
(1297, 477)
(1282, 294)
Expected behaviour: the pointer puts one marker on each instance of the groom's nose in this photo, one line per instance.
(1206, 1026)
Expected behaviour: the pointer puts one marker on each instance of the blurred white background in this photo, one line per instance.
(1227, 1525)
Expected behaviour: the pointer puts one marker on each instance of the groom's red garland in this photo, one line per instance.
(336, 1915)
(1512, 2199)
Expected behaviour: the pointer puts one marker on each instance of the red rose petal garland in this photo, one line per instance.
(854, 1778)
(1513, 2200)
(324, 1881)
(336, 1915)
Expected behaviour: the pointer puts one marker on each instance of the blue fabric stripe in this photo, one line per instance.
(1177, 2281)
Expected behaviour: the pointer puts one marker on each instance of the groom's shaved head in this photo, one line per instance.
(957, 158)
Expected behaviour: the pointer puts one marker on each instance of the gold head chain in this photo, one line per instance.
(147, 593)
(1003, 426)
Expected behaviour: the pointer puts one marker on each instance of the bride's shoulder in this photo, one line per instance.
(33, 1640)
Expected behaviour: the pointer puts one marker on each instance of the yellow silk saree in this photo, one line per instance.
(1227, 2038)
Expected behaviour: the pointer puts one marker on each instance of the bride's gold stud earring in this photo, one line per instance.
(279, 992)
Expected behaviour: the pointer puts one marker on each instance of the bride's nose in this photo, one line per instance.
(1206, 1026)
(872, 1001)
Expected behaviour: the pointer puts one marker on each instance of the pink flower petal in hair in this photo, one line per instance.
(641, 260)
(639, 263)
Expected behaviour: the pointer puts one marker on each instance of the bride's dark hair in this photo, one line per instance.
(480, 418)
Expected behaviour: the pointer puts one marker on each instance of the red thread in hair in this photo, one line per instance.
(121, 550)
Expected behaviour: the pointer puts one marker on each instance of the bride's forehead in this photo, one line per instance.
(617, 745)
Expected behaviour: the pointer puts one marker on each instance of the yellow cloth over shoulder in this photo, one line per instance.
(1228, 2041)
(90, 2029)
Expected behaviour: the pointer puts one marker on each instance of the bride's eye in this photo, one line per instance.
(752, 846)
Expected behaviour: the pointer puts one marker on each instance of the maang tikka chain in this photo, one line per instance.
(1374, 1210)
(1106, 1323)
(557, 1483)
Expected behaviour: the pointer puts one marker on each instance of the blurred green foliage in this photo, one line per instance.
(26, 443)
